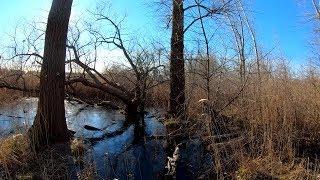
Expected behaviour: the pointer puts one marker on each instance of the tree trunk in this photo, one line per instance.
(50, 125)
(177, 72)
(132, 112)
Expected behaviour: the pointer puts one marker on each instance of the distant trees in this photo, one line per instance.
(185, 15)
(50, 123)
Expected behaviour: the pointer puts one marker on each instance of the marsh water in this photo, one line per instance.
(114, 157)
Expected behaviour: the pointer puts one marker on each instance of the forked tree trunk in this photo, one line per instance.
(50, 125)
(177, 72)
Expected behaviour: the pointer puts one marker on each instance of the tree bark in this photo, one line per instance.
(50, 125)
(177, 71)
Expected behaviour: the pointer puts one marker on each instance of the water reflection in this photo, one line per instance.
(114, 157)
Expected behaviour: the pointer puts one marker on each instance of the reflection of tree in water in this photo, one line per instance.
(144, 160)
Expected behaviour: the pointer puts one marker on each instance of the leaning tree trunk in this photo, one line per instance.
(50, 126)
(177, 72)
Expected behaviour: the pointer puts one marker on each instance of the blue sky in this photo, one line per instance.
(279, 23)
(285, 24)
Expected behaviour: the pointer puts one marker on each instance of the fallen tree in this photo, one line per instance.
(141, 73)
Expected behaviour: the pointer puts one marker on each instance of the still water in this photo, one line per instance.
(114, 157)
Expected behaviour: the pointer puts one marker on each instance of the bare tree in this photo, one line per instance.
(24, 61)
(238, 29)
(141, 64)
(50, 124)
(316, 7)
(177, 71)
(84, 44)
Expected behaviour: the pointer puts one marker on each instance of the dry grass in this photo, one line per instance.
(271, 168)
(88, 173)
(8, 96)
(13, 152)
(18, 162)
(280, 113)
(78, 147)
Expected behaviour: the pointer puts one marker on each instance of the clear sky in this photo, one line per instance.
(285, 24)
(279, 23)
